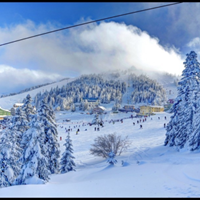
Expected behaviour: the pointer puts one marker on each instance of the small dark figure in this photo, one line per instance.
(98, 129)
(85, 129)
(164, 125)
(60, 138)
(140, 126)
(165, 117)
(133, 123)
(95, 128)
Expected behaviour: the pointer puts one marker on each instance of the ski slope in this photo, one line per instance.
(150, 170)
(7, 102)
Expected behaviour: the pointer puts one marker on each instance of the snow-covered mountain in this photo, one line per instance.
(137, 88)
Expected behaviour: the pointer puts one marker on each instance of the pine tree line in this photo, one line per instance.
(29, 150)
(87, 86)
(146, 90)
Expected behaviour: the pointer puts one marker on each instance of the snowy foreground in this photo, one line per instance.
(150, 170)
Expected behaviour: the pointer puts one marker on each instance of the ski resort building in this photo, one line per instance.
(149, 110)
(127, 108)
(15, 106)
(92, 102)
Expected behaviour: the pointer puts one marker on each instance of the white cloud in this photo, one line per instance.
(194, 43)
(14, 80)
(112, 45)
(85, 49)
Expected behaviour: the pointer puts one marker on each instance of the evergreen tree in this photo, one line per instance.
(5, 179)
(116, 106)
(193, 142)
(96, 120)
(34, 168)
(194, 138)
(37, 100)
(67, 163)
(28, 108)
(73, 107)
(85, 105)
(19, 125)
(9, 158)
(182, 124)
(47, 117)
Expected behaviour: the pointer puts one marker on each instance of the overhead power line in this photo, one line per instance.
(85, 23)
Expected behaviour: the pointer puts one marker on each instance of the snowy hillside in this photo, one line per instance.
(150, 169)
(7, 102)
(166, 81)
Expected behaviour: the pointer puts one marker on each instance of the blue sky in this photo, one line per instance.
(152, 40)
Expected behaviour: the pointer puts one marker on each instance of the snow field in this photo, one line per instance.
(151, 169)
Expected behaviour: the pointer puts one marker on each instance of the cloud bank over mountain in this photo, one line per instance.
(87, 49)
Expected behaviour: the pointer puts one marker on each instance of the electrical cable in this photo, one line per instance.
(85, 23)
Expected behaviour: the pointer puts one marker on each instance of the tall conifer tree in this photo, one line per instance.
(47, 117)
(67, 163)
(182, 124)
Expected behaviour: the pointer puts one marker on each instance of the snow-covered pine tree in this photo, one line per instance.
(28, 108)
(111, 158)
(67, 163)
(5, 178)
(116, 106)
(51, 134)
(193, 142)
(19, 125)
(73, 107)
(96, 119)
(37, 100)
(34, 168)
(85, 105)
(182, 125)
(9, 158)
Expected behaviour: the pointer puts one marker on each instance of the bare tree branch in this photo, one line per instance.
(103, 145)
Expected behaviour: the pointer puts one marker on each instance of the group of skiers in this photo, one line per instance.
(110, 121)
